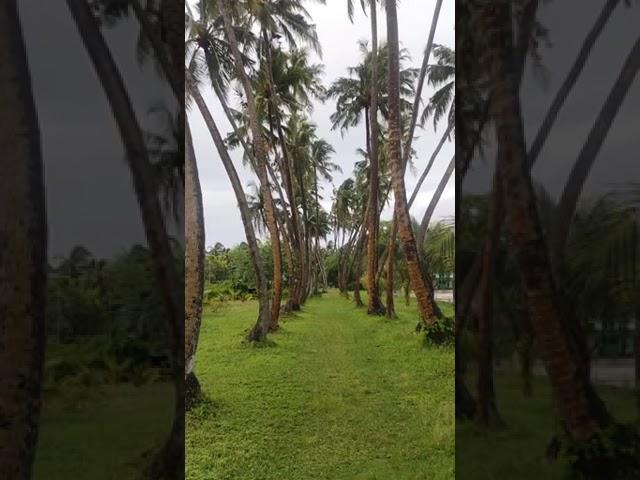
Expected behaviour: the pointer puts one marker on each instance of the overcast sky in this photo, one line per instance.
(339, 40)
(89, 192)
(614, 167)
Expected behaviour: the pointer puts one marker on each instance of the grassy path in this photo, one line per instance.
(339, 395)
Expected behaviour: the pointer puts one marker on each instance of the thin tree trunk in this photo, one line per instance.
(263, 322)
(577, 402)
(375, 306)
(391, 309)
(394, 227)
(571, 194)
(427, 169)
(171, 461)
(194, 266)
(571, 78)
(426, 219)
(297, 234)
(487, 413)
(23, 256)
(260, 152)
(429, 312)
(421, 79)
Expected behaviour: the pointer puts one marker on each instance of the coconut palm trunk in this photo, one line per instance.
(263, 322)
(375, 306)
(428, 214)
(171, 461)
(580, 411)
(23, 256)
(419, 284)
(194, 266)
(261, 154)
(406, 154)
(580, 171)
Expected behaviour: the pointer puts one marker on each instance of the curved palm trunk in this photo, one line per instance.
(262, 158)
(427, 169)
(591, 148)
(421, 79)
(391, 309)
(171, 462)
(297, 234)
(375, 306)
(426, 219)
(578, 404)
(23, 256)
(558, 102)
(419, 283)
(406, 153)
(416, 190)
(263, 322)
(571, 78)
(194, 266)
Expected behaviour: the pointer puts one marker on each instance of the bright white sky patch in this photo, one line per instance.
(339, 40)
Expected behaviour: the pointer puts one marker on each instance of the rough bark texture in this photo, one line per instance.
(375, 306)
(571, 389)
(419, 283)
(261, 153)
(23, 255)
(194, 260)
(406, 154)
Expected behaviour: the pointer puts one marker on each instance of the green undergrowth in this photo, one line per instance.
(337, 394)
(519, 448)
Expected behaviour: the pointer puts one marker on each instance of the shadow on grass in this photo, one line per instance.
(204, 408)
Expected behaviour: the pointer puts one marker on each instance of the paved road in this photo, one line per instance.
(618, 372)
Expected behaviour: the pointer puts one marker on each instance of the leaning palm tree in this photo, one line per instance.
(579, 409)
(23, 257)
(407, 153)
(260, 151)
(420, 284)
(194, 266)
(263, 321)
(171, 461)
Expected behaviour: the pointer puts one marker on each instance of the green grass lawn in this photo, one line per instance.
(337, 395)
(517, 451)
(106, 435)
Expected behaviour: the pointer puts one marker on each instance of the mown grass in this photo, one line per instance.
(518, 449)
(337, 394)
(102, 433)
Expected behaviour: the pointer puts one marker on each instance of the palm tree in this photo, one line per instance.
(406, 155)
(419, 282)
(356, 95)
(23, 257)
(591, 148)
(171, 461)
(580, 411)
(263, 322)
(375, 306)
(194, 266)
(261, 156)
